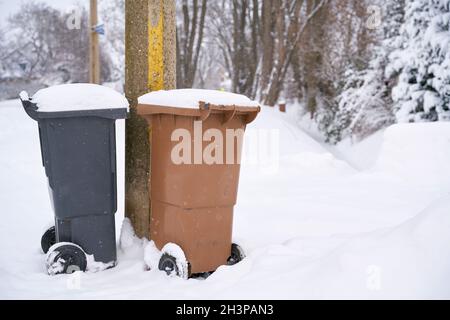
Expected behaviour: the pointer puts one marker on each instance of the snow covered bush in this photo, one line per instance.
(423, 63)
(364, 105)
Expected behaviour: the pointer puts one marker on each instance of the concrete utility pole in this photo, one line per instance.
(150, 40)
(94, 47)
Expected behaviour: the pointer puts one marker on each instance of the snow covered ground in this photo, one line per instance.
(370, 220)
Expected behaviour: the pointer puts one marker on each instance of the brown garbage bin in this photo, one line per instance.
(192, 204)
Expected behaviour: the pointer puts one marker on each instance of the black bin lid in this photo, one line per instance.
(75, 100)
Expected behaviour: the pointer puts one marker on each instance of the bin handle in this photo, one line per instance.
(229, 115)
(205, 111)
(29, 106)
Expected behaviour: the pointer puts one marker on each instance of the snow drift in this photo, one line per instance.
(418, 153)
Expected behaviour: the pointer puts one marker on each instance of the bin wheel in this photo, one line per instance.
(237, 254)
(48, 239)
(173, 262)
(65, 258)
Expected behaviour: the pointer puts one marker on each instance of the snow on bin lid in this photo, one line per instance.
(190, 98)
(78, 97)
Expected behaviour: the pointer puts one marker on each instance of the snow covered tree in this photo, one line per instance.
(365, 104)
(112, 13)
(40, 46)
(423, 63)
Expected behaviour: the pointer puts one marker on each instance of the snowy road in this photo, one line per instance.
(314, 228)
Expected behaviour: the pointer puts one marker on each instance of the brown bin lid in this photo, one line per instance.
(202, 113)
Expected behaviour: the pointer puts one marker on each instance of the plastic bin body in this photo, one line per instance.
(79, 155)
(192, 204)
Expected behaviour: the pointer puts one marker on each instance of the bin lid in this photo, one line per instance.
(78, 97)
(75, 100)
(198, 103)
(190, 98)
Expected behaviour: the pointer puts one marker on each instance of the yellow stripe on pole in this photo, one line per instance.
(156, 47)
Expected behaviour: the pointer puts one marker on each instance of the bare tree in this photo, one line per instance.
(234, 27)
(268, 23)
(314, 48)
(190, 35)
(291, 22)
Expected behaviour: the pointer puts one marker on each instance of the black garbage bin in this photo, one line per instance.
(79, 155)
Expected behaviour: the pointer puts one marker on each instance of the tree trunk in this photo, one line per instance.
(314, 33)
(267, 39)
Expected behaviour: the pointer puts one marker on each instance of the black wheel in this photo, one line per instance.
(237, 254)
(48, 239)
(168, 264)
(172, 266)
(65, 258)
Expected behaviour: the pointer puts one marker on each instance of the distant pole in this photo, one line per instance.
(94, 47)
(150, 54)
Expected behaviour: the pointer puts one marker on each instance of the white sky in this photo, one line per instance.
(9, 7)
